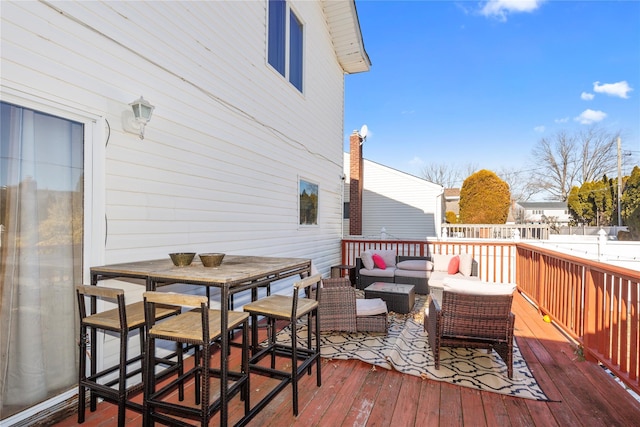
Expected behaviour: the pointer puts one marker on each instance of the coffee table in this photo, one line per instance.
(399, 298)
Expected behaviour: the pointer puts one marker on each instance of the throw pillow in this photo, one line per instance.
(367, 261)
(378, 262)
(465, 267)
(453, 265)
(388, 255)
(441, 261)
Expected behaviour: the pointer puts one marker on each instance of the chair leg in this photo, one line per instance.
(271, 332)
(150, 381)
(245, 367)
(122, 383)
(82, 373)
(294, 365)
(318, 362)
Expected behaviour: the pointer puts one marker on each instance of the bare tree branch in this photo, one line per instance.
(448, 175)
(442, 174)
(564, 161)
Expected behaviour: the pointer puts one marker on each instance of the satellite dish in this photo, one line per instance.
(363, 131)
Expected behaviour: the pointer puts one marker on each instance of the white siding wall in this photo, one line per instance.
(219, 166)
(406, 206)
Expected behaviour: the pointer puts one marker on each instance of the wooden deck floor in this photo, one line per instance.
(355, 394)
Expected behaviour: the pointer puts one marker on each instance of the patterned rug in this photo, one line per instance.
(405, 348)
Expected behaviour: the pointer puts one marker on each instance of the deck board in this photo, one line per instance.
(355, 394)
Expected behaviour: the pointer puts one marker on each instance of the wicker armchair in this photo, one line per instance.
(472, 321)
(338, 309)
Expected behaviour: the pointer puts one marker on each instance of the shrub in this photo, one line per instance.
(484, 199)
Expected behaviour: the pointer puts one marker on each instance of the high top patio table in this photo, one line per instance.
(237, 273)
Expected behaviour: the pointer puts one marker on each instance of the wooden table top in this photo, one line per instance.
(234, 269)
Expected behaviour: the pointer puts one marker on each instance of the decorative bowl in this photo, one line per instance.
(211, 260)
(182, 259)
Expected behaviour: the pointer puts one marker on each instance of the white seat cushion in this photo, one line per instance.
(370, 307)
(477, 287)
(465, 267)
(377, 272)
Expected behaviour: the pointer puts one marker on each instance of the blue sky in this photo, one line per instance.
(480, 83)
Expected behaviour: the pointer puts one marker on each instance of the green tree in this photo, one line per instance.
(593, 202)
(630, 203)
(484, 199)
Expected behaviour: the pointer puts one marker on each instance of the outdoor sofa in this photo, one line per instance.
(421, 272)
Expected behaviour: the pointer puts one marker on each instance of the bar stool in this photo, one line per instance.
(122, 320)
(200, 327)
(280, 307)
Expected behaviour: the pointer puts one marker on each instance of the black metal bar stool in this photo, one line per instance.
(111, 382)
(291, 309)
(201, 328)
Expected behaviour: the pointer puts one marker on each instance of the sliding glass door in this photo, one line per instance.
(41, 253)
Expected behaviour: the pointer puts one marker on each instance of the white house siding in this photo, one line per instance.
(406, 206)
(218, 168)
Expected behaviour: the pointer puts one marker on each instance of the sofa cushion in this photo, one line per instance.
(388, 272)
(454, 264)
(367, 259)
(441, 262)
(464, 286)
(466, 264)
(412, 273)
(388, 255)
(436, 278)
(370, 307)
(415, 264)
(378, 261)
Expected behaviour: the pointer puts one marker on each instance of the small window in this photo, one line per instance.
(285, 42)
(345, 211)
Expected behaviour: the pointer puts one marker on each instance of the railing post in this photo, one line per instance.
(602, 243)
(590, 316)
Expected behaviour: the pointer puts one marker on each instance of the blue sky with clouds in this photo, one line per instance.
(481, 82)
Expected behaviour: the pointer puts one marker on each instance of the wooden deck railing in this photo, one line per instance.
(596, 304)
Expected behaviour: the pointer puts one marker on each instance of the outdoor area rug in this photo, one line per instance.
(405, 348)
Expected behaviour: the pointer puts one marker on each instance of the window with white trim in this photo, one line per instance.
(285, 46)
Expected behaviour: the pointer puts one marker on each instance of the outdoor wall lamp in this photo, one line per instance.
(136, 119)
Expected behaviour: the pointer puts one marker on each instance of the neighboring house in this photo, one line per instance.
(541, 212)
(246, 107)
(452, 200)
(395, 205)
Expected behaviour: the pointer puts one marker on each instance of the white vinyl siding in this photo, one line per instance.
(218, 168)
(406, 206)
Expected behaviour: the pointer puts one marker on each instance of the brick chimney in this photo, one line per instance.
(355, 184)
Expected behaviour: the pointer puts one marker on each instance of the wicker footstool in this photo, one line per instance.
(399, 298)
(371, 315)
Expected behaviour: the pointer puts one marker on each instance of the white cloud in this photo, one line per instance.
(619, 89)
(587, 96)
(588, 117)
(562, 120)
(501, 8)
(416, 162)
(539, 129)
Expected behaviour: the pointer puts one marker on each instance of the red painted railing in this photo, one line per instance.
(595, 303)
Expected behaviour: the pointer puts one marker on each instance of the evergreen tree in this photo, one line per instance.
(484, 199)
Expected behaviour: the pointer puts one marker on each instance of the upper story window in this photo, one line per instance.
(285, 42)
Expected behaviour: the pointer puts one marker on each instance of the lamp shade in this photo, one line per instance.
(142, 110)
